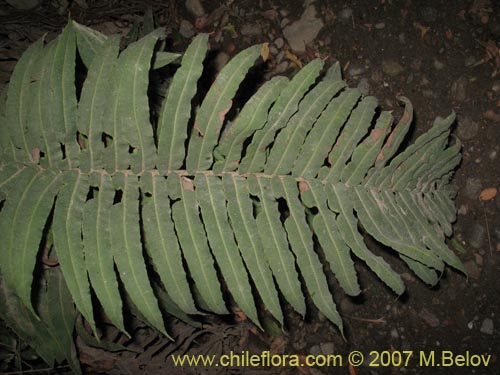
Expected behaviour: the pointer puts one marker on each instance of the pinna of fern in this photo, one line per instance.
(298, 170)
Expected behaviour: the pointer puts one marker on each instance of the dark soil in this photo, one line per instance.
(444, 57)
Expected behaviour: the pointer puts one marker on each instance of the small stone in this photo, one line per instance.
(281, 67)
(279, 42)
(479, 259)
(438, 65)
(496, 86)
(327, 348)
(303, 31)
(195, 8)
(458, 91)
(364, 86)
(473, 186)
(380, 25)
(493, 154)
(463, 209)
(345, 14)
(487, 326)
(428, 14)
(251, 29)
(394, 333)
(472, 269)
(402, 38)
(428, 93)
(476, 235)
(186, 29)
(391, 67)
(466, 128)
(315, 350)
(355, 69)
(273, 50)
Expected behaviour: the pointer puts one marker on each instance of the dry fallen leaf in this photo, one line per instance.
(488, 194)
(293, 58)
(423, 29)
(264, 51)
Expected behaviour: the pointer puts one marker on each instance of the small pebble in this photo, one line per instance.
(380, 25)
(391, 67)
(364, 86)
(186, 29)
(487, 326)
(394, 333)
(473, 186)
(327, 348)
(279, 42)
(355, 69)
(472, 269)
(467, 128)
(345, 14)
(458, 90)
(438, 65)
(251, 29)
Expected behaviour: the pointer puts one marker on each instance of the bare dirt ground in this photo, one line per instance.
(444, 56)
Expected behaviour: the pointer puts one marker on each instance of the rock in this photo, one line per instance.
(473, 186)
(429, 318)
(496, 86)
(380, 25)
(475, 233)
(304, 31)
(315, 350)
(438, 65)
(251, 29)
(279, 43)
(281, 67)
(466, 128)
(195, 8)
(345, 14)
(391, 67)
(327, 348)
(472, 269)
(487, 326)
(394, 333)
(186, 29)
(428, 14)
(355, 69)
(458, 91)
(364, 86)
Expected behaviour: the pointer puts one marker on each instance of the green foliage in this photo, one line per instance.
(298, 170)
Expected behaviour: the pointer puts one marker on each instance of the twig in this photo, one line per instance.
(487, 230)
(377, 321)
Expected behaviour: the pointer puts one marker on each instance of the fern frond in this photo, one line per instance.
(251, 197)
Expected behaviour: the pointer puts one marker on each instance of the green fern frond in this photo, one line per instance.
(303, 165)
